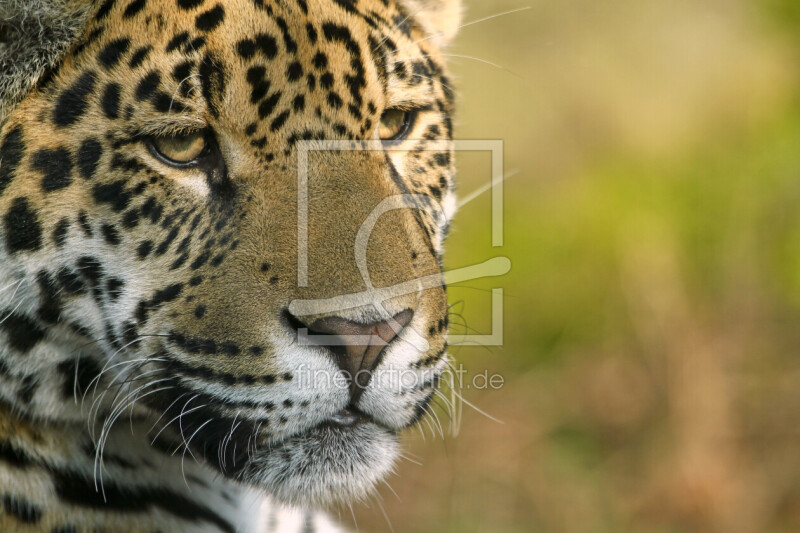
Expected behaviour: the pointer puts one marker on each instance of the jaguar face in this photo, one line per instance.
(275, 296)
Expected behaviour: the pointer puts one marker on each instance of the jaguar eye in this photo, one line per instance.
(180, 150)
(395, 124)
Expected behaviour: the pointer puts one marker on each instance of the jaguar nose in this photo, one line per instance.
(355, 347)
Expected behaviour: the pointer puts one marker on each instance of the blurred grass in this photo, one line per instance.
(650, 359)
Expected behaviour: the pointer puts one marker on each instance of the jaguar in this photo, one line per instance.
(221, 229)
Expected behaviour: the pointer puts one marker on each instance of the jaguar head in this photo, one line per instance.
(243, 204)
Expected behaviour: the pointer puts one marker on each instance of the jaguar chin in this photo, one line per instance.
(332, 462)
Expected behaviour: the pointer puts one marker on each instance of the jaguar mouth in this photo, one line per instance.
(349, 417)
(318, 447)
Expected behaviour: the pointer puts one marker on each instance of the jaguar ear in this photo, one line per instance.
(440, 18)
(34, 35)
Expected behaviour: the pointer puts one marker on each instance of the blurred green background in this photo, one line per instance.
(652, 314)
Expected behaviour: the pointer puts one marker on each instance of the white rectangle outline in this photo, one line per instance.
(495, 146)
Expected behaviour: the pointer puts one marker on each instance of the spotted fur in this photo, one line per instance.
(151, 377)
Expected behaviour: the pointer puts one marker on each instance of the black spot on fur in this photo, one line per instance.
(279, 121)
(165, 244)
(180, 261)
(114, 288)
(356, 113)
(91, 269)
(49, 300)
(83, 220)
(22, 228)
(112, 194)
(189, 4)
(110, 55)
(182, 71)
(152, 209)
(111, 234)
(148, 86)
(334, 32)
(267, 45)
(130, 219)
(201, 260)
(134, 8)
(164, 103)
(260, 90)
(127, 163)
(79, 492)
(212, 76)
(267, 107)
(110, 100)
(23, 332)
(256, 74)
(320, 60)
(326, 80)
(167, 294)
(88, 41)
(177, 41)
(27, 388)
(55, 166)
(230, 348)
(289, 43)
(70, 282)
(334, 100)
(21, 509)
(294, 72)
(88, 157)
(73, 101)
(194, 45)
(60, 232)
(129, 332)
(348, 5)
(144, 249)
(105, 9)
(246, 48)
(212, 18)
(139, 56)
(11, 151)
(218, 259)
(78, 376)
